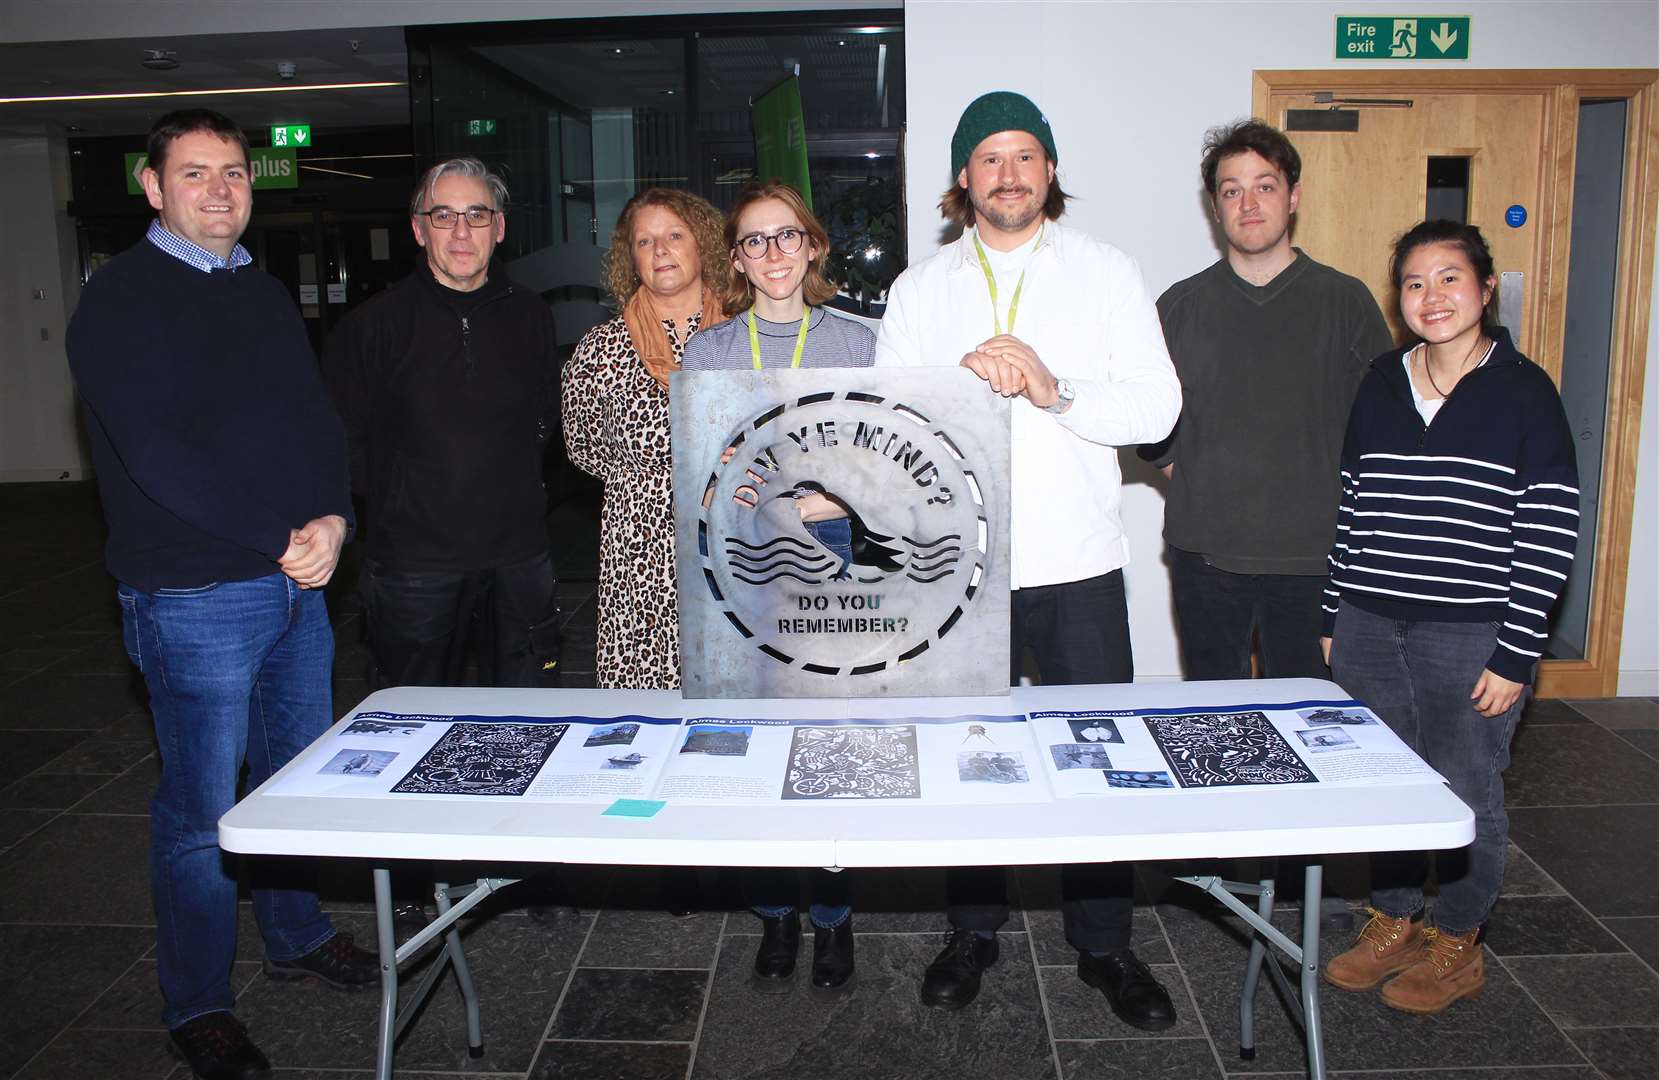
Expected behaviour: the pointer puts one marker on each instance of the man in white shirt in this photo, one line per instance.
(1046, 314)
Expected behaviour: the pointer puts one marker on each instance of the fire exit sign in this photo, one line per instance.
(1402, 37)
(291, 135)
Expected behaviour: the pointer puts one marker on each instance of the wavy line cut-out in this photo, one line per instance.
(774, 577)
(811, 566)
(734, 542)
(928, 580)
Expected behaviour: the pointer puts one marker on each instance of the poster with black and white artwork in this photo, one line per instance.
(387, 726)
(1328, 715)
(991, 767)
(354, 762)
(1226, 749)
(483, 759)
(854, 762)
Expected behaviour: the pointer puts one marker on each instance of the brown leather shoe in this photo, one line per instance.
(1385, 945)
(1450, 966)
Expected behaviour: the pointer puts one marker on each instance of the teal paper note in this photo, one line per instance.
(634, 808)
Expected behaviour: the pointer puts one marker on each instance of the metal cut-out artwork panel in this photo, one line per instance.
(1226, 750)
(483, 759)
(853, 763)
(918, 460)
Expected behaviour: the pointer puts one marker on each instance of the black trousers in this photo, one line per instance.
(420, 623)
(1217, 612)
(1078, 632)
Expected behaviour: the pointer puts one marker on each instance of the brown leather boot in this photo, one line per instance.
(1385, 945)
(1449, 967)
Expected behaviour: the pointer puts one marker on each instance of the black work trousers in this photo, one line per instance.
(1218, 613)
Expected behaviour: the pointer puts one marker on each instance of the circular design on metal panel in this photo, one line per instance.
(917, 513)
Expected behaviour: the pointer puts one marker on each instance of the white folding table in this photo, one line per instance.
(1243, 822)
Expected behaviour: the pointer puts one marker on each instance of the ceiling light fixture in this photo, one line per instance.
(195, 93)
(159, 60)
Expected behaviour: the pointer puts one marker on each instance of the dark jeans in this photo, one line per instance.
(771, 893)
(1217, 611)
(1417, 676)
(1079, 633)
(238, 672)
(837, 535)
(421, 621)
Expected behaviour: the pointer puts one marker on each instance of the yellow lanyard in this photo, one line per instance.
(800, 339)
(991, 283)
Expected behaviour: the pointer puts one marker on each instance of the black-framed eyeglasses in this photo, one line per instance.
(444, 217)
(754, 245)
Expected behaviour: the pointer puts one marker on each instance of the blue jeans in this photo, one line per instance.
(770, 894)
(238, 673)
(837, 535)
(1417, 676)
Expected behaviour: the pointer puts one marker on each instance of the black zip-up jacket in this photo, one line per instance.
(1472, 518)
(448, 399)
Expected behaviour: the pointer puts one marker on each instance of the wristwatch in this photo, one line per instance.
(1067, 394)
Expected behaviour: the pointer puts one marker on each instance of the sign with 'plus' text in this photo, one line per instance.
(1402, 37)
(271, 167)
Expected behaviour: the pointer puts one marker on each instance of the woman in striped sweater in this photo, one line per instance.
(1457, 526)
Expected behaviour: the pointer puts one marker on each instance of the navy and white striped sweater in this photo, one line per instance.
(1472, 518)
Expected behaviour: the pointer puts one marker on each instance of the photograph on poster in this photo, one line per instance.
(1079, 756)
(483, 759)
(853, 763)
(717, 739)
(1124, 779)
(1320, 740)
(1229, 749)
(990, 767)
(1095, 729)
(397, 728)
(1328, 715)
(612, 735)
(624, 761)
(358, 763)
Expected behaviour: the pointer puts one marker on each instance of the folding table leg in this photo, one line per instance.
(1252, 975)
(1312, 893)
(387, 942)
(463, 975)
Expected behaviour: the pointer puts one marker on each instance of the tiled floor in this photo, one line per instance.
(614, 987)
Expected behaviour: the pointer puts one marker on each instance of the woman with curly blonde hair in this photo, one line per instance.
(666, 272)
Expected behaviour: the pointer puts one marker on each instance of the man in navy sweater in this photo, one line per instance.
(223, 473)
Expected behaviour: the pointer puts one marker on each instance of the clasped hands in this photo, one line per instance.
(314, 551)
(1013, 369)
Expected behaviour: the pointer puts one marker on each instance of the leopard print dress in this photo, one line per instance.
(616, 427)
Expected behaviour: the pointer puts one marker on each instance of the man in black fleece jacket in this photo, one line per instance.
(223, 475)
(446, 383)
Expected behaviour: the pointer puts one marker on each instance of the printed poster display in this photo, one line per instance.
(928, 760)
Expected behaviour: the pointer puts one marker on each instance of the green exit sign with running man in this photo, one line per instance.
(291, 135)
(1402, 37)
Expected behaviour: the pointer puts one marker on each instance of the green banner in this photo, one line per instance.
(780, 137)
(272, 167)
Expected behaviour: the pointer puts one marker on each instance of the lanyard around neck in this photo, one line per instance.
(991, 283)
(800, 339)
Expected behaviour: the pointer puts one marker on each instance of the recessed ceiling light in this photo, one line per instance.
(620, 50)
(159, 60)
(666, 93)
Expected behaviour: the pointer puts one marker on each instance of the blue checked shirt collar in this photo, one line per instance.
(201, 258)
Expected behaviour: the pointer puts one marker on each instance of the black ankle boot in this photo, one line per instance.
(775, 959)
(832, 957)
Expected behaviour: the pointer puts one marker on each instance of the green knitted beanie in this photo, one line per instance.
(1000, 110)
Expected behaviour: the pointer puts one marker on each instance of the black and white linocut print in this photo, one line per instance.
(1330, 715)
(991, 767)
(380, 726)
(1079, 756)
(1323, 740)
(1095, 729)
(612, 735)
(358, 763)
(1207, 750)
(853, 763)
(1124, 778)
(483, 759)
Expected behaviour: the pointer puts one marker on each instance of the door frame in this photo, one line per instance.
(1597, 675)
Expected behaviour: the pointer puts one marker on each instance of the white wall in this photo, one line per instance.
(37, 400)
(1131, 87)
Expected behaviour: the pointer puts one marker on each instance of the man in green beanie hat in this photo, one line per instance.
(1062, 322)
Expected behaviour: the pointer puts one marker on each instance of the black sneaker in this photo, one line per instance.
(952, 980)
(336, 962)
(216, 1047)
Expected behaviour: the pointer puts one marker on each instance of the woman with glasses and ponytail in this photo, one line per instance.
(777, 250)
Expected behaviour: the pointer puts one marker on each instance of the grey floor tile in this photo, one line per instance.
(44, 702)
(1546, 925)
(1547, 1072)
(80, 869)
(103, 1055)
(1627, 712)
(101, 755)
(1640, 934)
(1590, 991)
(67, 968)
(1079, 1011)
(27, 751)
(133, 1002)
(1607, 857)
(1523, 877)
(653, 939)
(1583, 765)
(633, 1005)
(1643, 739)
(40, 791)
(611, 1061)
(880, 1029)
(16, 825)
(1143, 1059)
(128, 793)
(1620, 1053)
(518, 968)
(1551, 711)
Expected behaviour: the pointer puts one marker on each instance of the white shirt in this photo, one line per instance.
(1087, 314)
